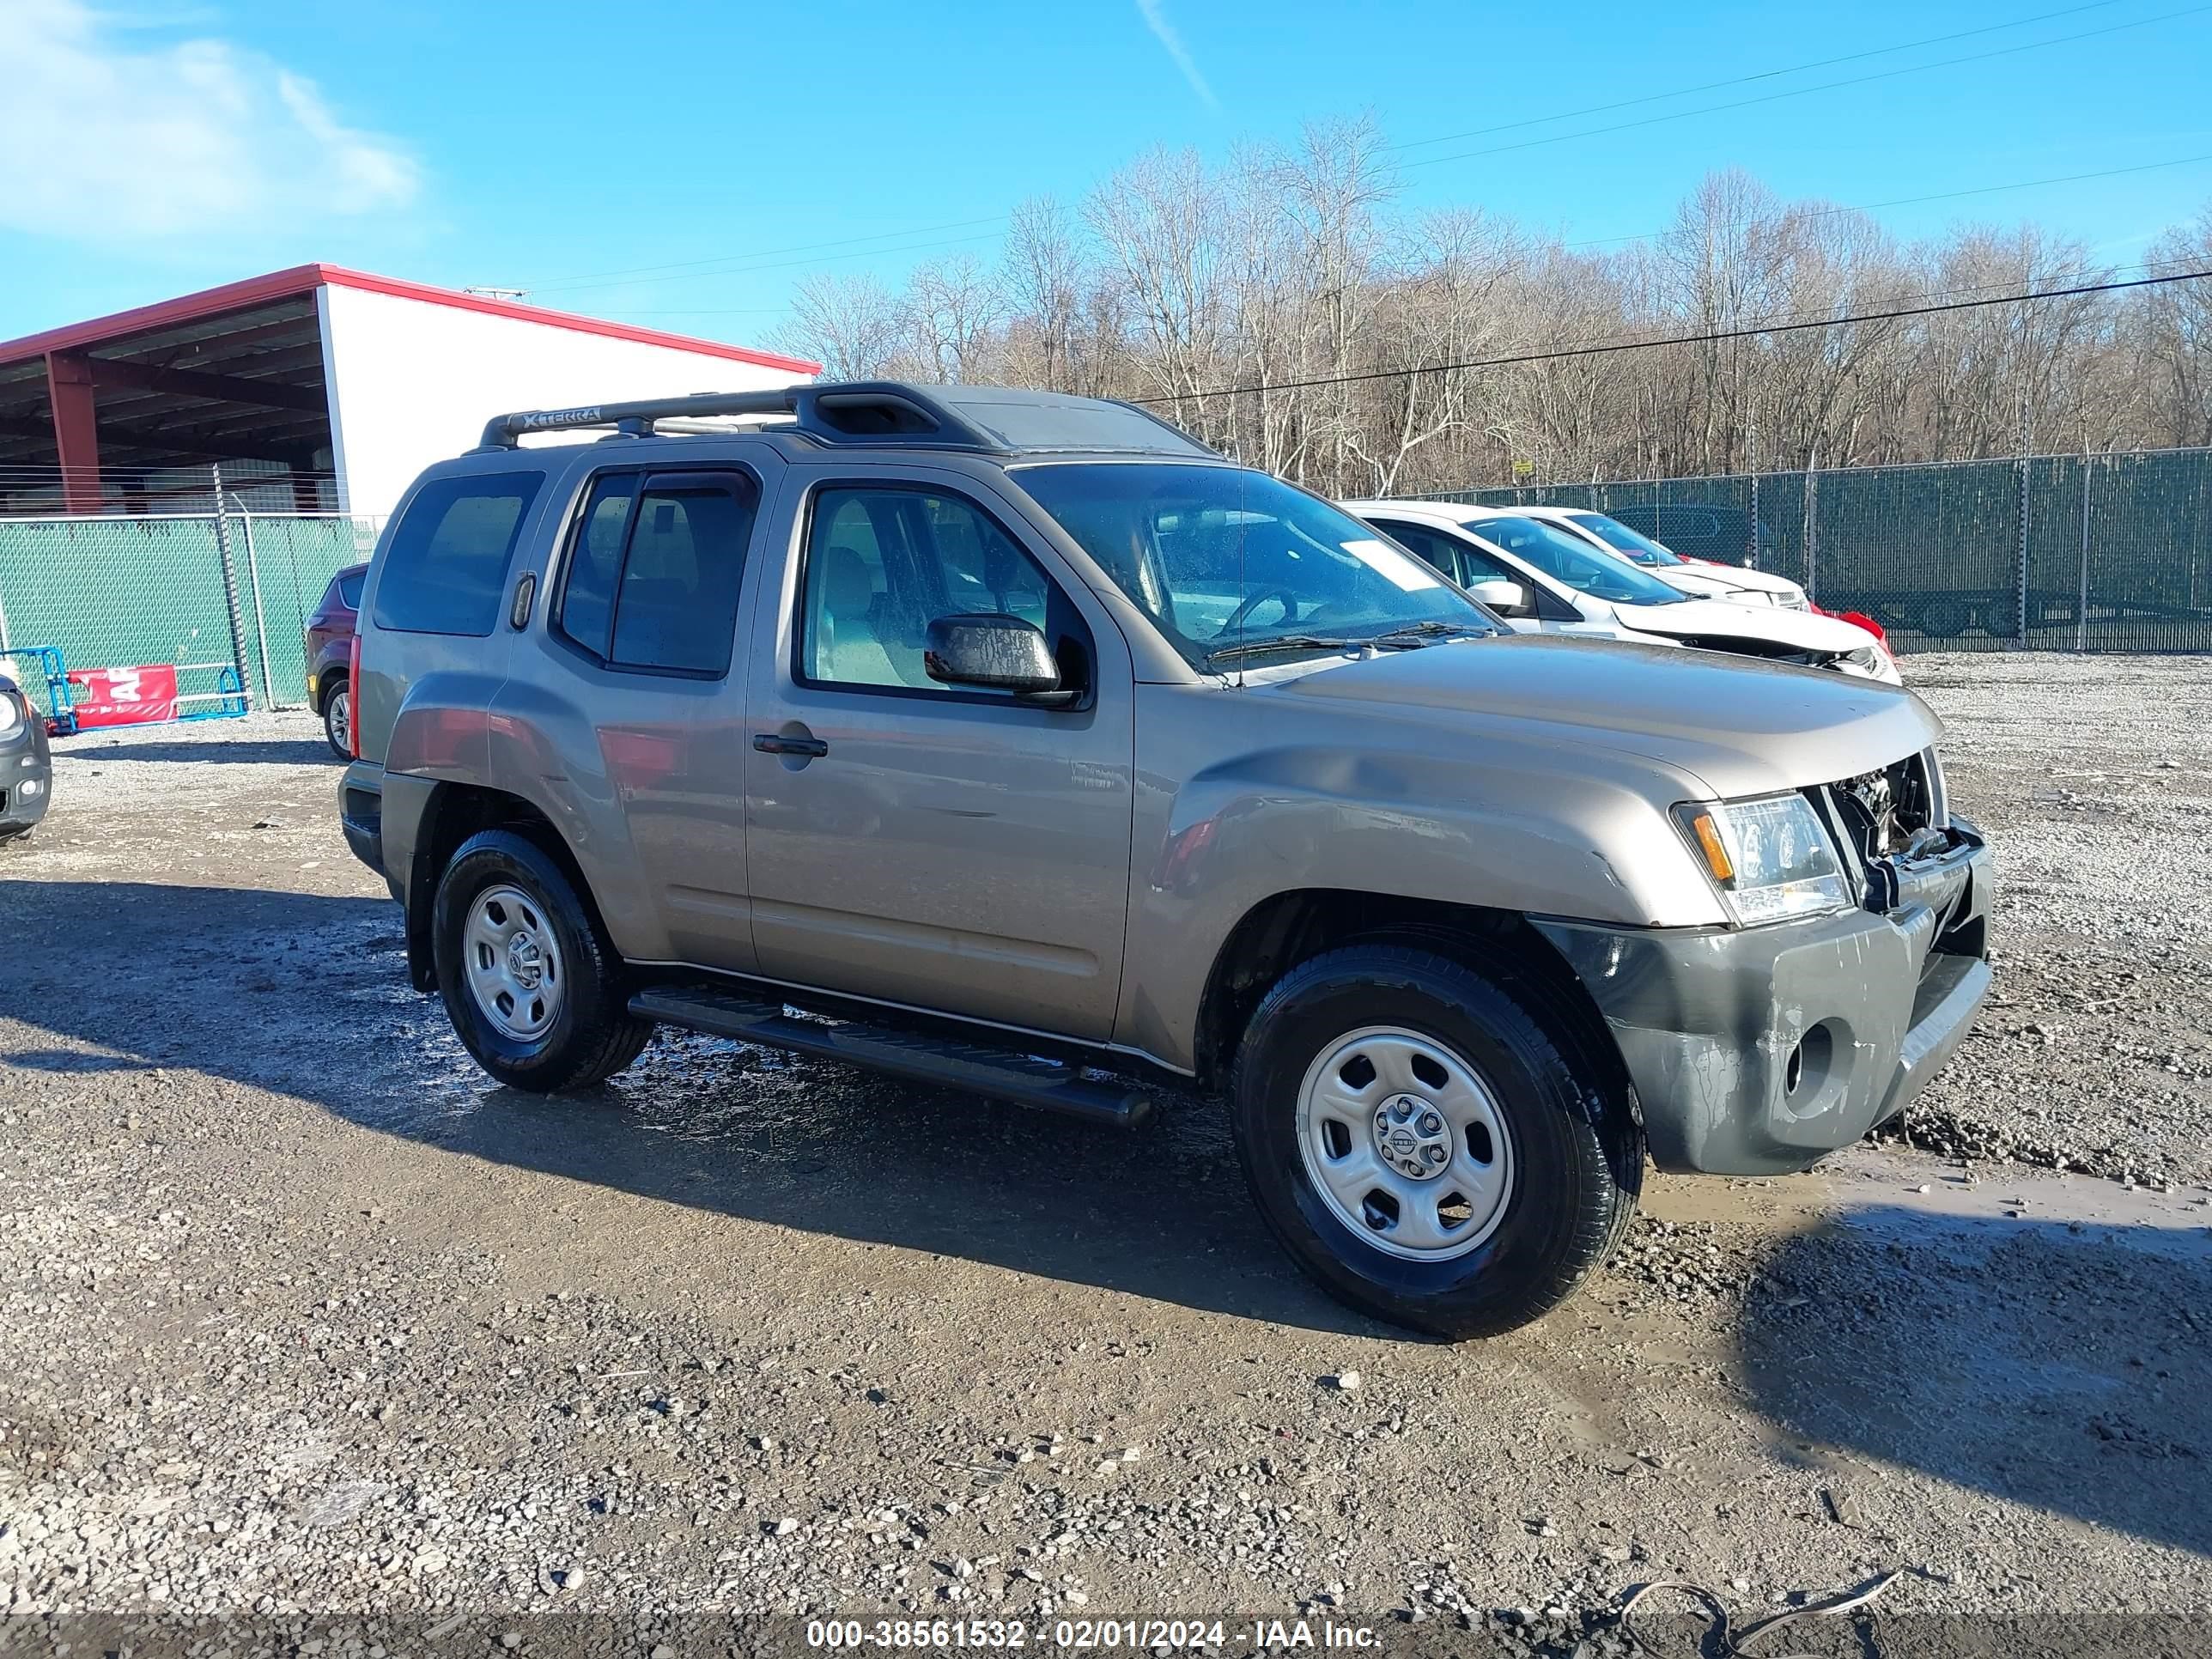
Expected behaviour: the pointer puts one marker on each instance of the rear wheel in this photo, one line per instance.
(534, 990)
(1431, 1144)
(338, 720)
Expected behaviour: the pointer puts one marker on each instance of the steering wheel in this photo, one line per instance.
(1253, 602)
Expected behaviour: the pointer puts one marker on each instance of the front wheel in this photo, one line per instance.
(1433, 1146)
(533, 989)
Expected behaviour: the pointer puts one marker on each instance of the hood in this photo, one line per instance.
(1704, 584)
(1742, 726)
(1735, 576)
(1718, 619)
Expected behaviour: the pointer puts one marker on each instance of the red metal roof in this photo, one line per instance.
(302, 279)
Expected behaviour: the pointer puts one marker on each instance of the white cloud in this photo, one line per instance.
(1156, 18)
(106, 138)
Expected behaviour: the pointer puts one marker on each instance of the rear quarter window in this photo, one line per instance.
(445, 567)
(350, 589)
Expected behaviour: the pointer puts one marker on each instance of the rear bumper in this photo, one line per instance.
(1756, 1051)
(361, 813)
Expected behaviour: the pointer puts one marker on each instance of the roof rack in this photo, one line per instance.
(989, 419)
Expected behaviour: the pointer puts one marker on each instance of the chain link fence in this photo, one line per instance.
(200, 592)
(2048, 552)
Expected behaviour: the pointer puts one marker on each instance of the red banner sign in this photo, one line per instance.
(123, 697)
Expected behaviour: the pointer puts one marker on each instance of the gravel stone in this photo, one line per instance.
(302, 1322)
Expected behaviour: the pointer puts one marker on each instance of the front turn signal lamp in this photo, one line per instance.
(1770, 859)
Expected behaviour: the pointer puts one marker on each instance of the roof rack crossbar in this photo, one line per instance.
(852, 412)
(502, 431)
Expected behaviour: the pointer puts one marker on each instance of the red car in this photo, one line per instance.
(330, 654)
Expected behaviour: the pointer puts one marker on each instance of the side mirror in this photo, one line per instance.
(1506, 599)
(1002, 653)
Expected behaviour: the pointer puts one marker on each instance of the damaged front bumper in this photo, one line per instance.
(1755, 1051)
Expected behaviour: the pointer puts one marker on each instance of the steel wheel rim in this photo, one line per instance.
(1384, 1101)
(511, 963)
(342, 718)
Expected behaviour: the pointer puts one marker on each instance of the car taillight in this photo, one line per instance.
(1857, 619)
(353, 697)
(1861, 619)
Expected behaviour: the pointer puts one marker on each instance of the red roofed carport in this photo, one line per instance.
(122, 411)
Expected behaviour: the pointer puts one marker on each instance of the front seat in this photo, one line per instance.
(846, 650)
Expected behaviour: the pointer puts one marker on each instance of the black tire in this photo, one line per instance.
(593, 1035)
(338, 711)
(1578, 1154)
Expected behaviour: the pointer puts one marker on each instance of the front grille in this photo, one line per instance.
(1898, 822)
(1898, 812)
(1765, 650)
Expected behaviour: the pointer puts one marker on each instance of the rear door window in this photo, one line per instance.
(446, 567)
(655, 568)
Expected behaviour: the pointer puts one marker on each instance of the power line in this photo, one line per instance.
(631, 276)
(589, 277)
(1602, 241)
(777, 265)
(1745, 80)
(1799, 92)
(1599, 348)
(1939, 196)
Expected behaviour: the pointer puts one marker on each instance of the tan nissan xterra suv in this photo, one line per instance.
(1019, 745)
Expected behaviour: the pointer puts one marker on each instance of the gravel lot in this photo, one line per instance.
(299, 1320)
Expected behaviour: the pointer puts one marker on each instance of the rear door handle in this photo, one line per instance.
(769, 743)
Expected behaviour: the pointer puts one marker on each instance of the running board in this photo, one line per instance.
(940, 1062)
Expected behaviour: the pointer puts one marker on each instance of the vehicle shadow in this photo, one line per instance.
(307, 995)
(98, 746)
(2065, 1370)
(2066, 1367)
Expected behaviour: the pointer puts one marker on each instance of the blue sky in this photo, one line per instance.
(148, 151)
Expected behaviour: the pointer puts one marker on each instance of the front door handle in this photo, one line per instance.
(771, 743)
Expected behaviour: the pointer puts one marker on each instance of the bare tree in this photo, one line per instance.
(954, 308)
(1281, 306)
(853, 325)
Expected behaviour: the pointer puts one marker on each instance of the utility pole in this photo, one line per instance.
(1751, 440)
(2020, 563)
(230, 590)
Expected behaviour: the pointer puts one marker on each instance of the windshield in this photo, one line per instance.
(1629, 543)
(1565, 556)
(1226, 560)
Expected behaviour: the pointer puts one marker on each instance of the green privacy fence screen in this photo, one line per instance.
(2052, 552)
(124, 592)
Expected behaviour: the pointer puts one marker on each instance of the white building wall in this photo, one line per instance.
(412, 382)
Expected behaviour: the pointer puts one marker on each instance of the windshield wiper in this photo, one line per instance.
(1285, 642)
(1409, 637)
(1429, 629)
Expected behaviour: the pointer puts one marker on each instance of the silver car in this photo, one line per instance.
(1028, 749)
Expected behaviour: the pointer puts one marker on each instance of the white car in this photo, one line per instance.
(1540, 577)
(1695, 576)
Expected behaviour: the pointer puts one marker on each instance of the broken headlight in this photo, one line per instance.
(1770, 859)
